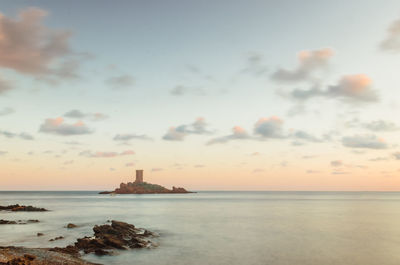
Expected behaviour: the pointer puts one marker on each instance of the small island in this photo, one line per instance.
(141, 187)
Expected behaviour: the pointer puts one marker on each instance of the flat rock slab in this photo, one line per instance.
(37, 256)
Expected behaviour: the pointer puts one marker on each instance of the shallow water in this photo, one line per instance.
(310, 228)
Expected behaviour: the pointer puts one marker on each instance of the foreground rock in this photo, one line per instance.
(18, 222)
(37, 256)
(107, 238)
(21, 208)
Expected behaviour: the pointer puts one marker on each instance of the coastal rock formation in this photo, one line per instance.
(37, 256)
(106, 238)
(18, 222)
(21, 208)
(141, 187)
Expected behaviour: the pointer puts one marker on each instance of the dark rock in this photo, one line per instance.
(40, 234)
(118, 235)
(19, 222)
(7, 222)
(29, 256)
(37, 256)
(57, 238)
(143, 188)
(70, 225)
(20, 208)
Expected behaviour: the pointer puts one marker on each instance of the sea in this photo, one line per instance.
(221, 227)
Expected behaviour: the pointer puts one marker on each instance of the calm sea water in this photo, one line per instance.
(277, 228)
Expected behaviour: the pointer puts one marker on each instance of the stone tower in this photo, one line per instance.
(139, 176)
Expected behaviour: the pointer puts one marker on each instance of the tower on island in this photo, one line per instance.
(139, 176)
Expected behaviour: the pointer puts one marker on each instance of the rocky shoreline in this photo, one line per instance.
(107, 239)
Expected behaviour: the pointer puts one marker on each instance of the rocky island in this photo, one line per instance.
(141, 187)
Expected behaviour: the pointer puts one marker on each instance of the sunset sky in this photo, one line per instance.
(208, 95)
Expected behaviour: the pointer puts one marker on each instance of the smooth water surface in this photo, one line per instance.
(277, 228)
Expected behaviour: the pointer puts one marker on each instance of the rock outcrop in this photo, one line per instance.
(21, 208)
(144, 188)
(107, 238)
(18, 222)
(37, 256)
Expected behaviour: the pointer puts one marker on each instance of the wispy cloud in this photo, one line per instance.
(369, 141)
(23, 135)
(121, 81)
(6, 111)
(59, 127)
(107, 154)
(309, 62)
(199, 126)
(392, 41)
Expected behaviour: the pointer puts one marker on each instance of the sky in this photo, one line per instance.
(207, 95)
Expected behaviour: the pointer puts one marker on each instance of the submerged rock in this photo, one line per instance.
(70, 225)
(57, 238)
(19, 222)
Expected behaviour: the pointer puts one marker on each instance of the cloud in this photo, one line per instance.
(23, 135)
(78, 114)
(180, 90)
(350, 88)
(392, 41)
(238, 133)
(378, 159)
(69, 162)
(364, 141)
(396, 155)
(3, 153)
(310, 171)
(75, 114)
(58, 126)
(155, 169)
(131, 164)
(269, 127)
(6, 111)
(336, 163)
(309, 62)
(28, 46)
(4, 84)
(305, 136)
(199, 126)
(130, 136)
(381, 125)
(121, 81)
(107, 154)
(353, 87)
(255, 65)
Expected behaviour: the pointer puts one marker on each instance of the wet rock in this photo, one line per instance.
(19, 222)
(57, 238)
(106, 238)
(22, 208)
(37, 256)
(7, 222)
(70, 225)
